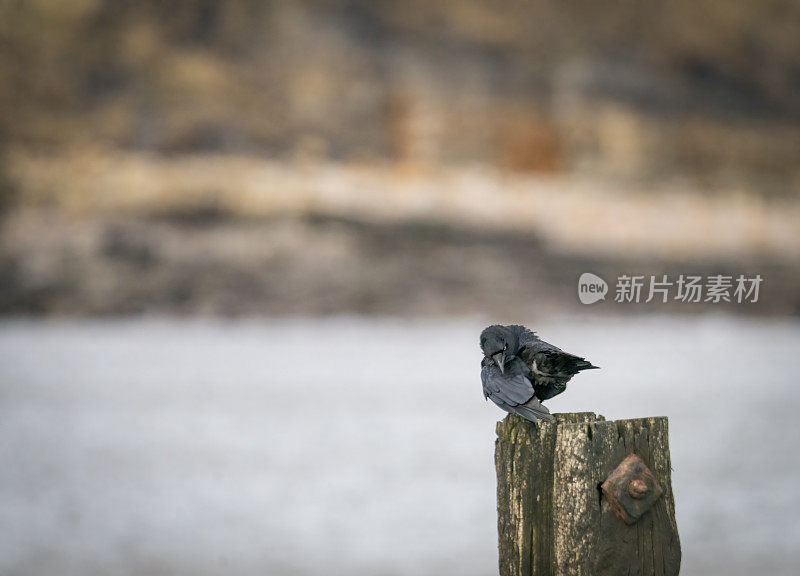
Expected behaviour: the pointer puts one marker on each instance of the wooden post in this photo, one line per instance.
(572, 501)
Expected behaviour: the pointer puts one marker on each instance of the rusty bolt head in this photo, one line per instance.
(637, 488)
(631, 489)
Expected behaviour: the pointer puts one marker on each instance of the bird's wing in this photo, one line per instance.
(551, 368)
(546, 359)
(485, 368)
(511, 389)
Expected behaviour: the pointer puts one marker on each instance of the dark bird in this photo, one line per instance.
(519, 370)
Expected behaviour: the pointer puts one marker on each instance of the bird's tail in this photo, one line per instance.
(584, 365)
(533, 410)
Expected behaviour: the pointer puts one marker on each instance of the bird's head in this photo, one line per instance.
(500, 344)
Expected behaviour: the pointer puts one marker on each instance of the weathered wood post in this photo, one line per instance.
(572, 501)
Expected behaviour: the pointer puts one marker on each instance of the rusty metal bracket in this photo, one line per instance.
(631, 489)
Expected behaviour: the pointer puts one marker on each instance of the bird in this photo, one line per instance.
(519, 370)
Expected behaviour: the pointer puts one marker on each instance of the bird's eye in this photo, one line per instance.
(505, 347)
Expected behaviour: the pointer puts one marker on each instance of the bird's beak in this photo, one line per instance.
(500, 360)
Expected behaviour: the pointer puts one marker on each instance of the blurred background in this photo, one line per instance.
(246, 250)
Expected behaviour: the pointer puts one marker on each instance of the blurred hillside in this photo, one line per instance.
(661, 132)
(645, 88)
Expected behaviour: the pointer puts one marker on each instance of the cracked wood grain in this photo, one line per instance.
(552, 517)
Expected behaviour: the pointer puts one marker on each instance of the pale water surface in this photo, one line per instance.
(356, 446)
